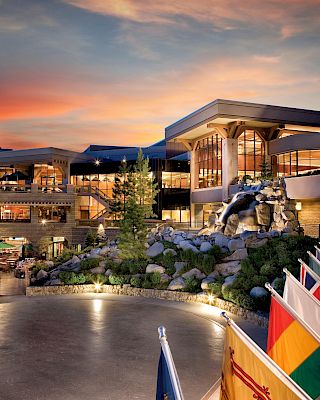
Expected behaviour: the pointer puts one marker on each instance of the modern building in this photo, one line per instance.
(51, 197)
(232, 142)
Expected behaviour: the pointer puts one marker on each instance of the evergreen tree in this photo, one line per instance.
(266, 171)
(121, 190)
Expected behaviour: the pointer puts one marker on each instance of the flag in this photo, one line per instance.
(317, 252)
(164, 384)
(314, 263)
(168, 385)
(295, 349)
(302, 301)
(248, 372)
(310, 280)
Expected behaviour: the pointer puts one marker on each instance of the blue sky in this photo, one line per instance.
(75, 72)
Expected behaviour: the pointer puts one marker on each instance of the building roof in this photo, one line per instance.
(224, 112)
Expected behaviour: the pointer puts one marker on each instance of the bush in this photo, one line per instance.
(215, 288)
(39, 266)
(216, 252)
(155, 278)
(71, 278)
(136, 266)
(66, 255)
(135, 281)
(193, 285)
(238, 297)
(89, 263)
(269, 269)
(91, 238)
(147, 284)
(207, 264)
(119, 279)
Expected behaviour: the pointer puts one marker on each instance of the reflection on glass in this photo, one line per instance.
(294, 163)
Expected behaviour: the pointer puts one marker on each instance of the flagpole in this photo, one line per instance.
(313, 257)
(291, 311)
(314, 299)
(171, 367)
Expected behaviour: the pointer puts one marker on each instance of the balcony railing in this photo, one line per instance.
(15, 188)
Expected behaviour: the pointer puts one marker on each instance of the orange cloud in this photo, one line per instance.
(288, 16)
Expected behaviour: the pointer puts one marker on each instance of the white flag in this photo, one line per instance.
(302, 301)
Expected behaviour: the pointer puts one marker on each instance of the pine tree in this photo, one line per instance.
(266, 171)
(121, 190)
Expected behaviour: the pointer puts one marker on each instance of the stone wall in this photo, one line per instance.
(151, 293)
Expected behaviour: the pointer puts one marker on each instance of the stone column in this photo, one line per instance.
(229, 164)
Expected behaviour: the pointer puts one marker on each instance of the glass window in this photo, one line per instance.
(250, 154)
(179, 214)
(209, 162)
(175, 180)
(52, 214)
(11, 213)
(302, 162)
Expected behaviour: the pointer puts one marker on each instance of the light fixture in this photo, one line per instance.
(298, 206)
(43, 221)
(124, 159)
(97, 162)
(97, 287)
(210, 298)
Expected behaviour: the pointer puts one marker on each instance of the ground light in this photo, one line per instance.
(43, 221)
(97, 287)
(97, 162)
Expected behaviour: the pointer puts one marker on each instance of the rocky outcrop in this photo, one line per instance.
(151, 268)
(155, 249)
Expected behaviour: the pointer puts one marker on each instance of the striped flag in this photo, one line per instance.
(249, 373)
(293, 346)
(314, 263)
(309, 279)
(302, 301)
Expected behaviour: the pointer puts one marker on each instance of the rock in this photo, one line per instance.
(54, 282)
(49, 264)
(165, 278)
(177, 239)
(231, 225)
(236, 244)
(187, 245)
(108, 272)
(228, 268)
(191, 236)
(74, 267)
(93, 255)
(170, 251)
(239, 254)
(245, 235)
(258, 292)
(151, 240)
(178, 266)
(177, 284)
(214, 274)
(104, 250)
(194, 273)
(75, 259)
(167, 238)
(205, 247)
(260, 197)
(154, 250)
(151, 268)
(205, 282)
(263, 214)
(41, 274)
(197, 241)
(221, 240)
(288, 215)
(97, 270)
(257, 243)
(274, 233)
(229, 281)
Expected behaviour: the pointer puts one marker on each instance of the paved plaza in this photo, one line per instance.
(103, 347)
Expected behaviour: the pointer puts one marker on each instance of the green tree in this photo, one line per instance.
(266, 171)
(121, 190)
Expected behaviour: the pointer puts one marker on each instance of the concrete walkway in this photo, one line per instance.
(102, 347)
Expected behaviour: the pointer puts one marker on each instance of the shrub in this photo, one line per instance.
(71, 278)
(119, 279)
(193, 285)
(91, 238)
(66, 255)
(100, 278)
(135, 281)
(239, 297)
(136, 266)
(207, 264)
(147, 284)
(38, 266)
(168, 245)
(269, 269)
(216, 252)
(215, 288)
(89, 263)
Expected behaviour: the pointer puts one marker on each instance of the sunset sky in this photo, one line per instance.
(78, 72)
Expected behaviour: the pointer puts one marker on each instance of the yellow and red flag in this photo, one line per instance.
(248, 372)
(294, 346)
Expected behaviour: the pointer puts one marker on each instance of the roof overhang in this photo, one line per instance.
(222, 115)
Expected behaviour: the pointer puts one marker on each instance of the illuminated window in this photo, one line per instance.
(12, 213)
(175, 180)
(52, 214)
(250, 154)
(301, 162)
(209, 162)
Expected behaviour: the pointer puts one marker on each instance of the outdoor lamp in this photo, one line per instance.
(298, 206)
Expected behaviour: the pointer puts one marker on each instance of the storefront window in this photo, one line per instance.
(302, 162)
(11, 213)
(209, 162)
(52, 214)
(175, 180)
(250, 154)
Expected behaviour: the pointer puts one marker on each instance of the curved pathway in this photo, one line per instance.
(103, 347)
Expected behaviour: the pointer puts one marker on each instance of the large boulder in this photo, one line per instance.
(178, 266)
(221, 240)
(170, 251)
(257, 243)
(194, 273)
(236, 244)
(258, 292)
(177, 284)
(187, 245)
(165, 278)
(75, 259)
(239, 254)
(154, 250)
(105, 250)
(228, 268)
(54, 282)
(205, 247)
(205, 282)
(98, 270)
(108, 272)
(263, 214)
(41, 274)
(151, 268)
(288, 215)
(229, 281)
(231, 225)
(177, 239)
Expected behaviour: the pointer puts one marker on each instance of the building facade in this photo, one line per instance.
(233, 142)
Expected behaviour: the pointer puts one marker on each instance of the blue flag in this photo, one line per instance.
(164, 384)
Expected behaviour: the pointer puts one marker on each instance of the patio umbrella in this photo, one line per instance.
(4, 245)
(15, 176)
